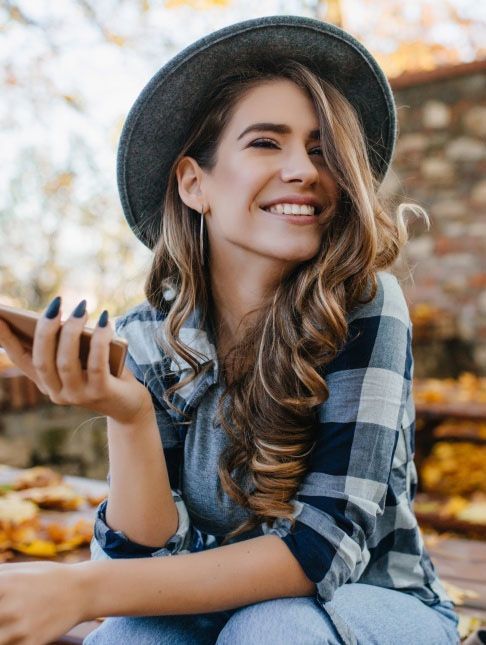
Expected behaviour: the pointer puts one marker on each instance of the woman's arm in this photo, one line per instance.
(144, 514)
(226, 577)
(140, 501)
(216, 579)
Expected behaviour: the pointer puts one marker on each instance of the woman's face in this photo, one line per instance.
(279, 163)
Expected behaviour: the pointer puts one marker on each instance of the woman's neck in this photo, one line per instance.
(239, 288)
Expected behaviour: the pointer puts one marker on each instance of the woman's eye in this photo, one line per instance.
(264, 143)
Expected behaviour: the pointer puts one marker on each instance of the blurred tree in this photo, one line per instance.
(61, 228)
(420, 35)
(62, 242)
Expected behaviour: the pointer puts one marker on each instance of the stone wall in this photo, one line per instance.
(71, 439)
(440, 163)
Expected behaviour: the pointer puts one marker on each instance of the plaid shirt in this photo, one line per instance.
(354, 508)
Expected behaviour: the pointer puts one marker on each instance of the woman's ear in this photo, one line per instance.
(189, 180)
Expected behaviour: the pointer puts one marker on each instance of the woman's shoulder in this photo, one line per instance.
(379, 336)
(389, 301)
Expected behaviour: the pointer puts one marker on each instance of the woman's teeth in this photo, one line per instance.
(291, 209)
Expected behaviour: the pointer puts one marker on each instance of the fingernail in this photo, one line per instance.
(103, 320)
(80, 309)
(53, 308)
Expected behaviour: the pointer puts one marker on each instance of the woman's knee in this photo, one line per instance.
(379, 614)
(285, 621)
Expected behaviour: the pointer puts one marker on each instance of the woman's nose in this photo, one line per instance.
(300, 166)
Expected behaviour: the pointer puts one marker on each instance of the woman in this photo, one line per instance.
(262, 430)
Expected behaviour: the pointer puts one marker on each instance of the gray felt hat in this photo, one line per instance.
(161, 118)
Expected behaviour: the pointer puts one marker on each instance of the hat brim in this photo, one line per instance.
(161, 118)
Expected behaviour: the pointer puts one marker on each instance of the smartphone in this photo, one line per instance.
(23, 324)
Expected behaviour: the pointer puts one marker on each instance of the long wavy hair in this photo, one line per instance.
(268, 408)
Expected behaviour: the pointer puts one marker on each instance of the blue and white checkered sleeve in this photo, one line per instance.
(109, 543)
(345, 488)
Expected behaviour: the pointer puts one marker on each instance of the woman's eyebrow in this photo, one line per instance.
(279, 128)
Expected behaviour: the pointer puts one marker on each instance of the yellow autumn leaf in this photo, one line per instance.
(453, 506)
(37, 548)
(15, 14)
(71, 544)
(116, 39)
(73, 101)
(60, 181)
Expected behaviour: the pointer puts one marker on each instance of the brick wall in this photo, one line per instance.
(440, 163)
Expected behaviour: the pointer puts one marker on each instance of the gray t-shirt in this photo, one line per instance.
(200, 481)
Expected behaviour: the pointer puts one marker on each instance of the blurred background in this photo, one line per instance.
(70, 72)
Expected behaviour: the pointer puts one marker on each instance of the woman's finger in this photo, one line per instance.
(18, 354)
(67, 360)
(45, 346)
(98, 357)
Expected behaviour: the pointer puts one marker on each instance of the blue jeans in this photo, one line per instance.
(358, 614)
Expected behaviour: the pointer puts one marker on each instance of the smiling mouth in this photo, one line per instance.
(279, 213)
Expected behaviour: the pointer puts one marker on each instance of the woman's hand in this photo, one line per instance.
(55, 368)
(39, 601)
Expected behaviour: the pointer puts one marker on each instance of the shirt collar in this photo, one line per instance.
(199, 337)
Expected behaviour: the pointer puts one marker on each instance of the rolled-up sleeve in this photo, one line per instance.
(110, 544)
(345, 488)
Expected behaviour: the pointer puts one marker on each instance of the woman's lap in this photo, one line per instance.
(184, 629)
(272, 621)
(362, 614)
(358, 613)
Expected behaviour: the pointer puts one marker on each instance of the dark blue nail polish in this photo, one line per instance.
(80, 309)
(103, 320)
(53, 308)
